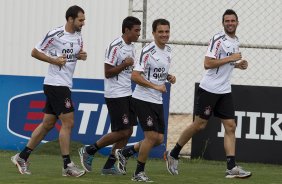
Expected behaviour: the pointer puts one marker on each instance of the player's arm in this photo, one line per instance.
(60, 61)
(243, 64)
(137, 77)
(111, 71)
(171, 78)
(82, 55)
(210, 63)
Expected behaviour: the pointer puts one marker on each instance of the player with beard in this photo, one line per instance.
(61, 48)
(214, 95)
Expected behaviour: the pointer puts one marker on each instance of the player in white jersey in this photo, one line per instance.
(214, 95)
(61, 48)
(119, 61)
(150, 75)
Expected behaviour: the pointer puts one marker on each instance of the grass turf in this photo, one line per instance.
(46, 169)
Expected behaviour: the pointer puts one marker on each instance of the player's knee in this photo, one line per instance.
(230, 128)
(48, 125)
(126, 133)
(69, 124)
(200, 125)
(159, 140)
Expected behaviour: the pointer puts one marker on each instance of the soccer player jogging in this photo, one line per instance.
(61, 48)
(119, 62)
(214, 95)
(150, 75)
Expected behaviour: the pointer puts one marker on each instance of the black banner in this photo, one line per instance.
(258, 112)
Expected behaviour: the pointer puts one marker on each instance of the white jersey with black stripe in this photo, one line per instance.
(217, 80)
(119, 85)
(154, 64)
(56, 43)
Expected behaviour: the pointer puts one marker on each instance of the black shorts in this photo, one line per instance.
(121, 113)
(221, 105)
(58, 100)
(150, 115)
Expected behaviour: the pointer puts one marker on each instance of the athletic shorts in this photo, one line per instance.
(121, 113)
(58, 100)
(221, 105)
(150, 115)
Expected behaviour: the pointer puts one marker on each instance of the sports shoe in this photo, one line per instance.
(23, 166)
(237, 172)
(121, 166)
(85, 159)
(110, 171)
(171, 163)
(141, 177)
(72, 170)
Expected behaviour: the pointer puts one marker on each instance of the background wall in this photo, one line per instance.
(25, 23)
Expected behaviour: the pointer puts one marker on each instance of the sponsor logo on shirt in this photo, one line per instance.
(160, 74)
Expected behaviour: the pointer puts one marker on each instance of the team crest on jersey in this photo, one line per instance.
(68, 103)
(207, 111)
(150, 121)
(125, 119)
(71, 44)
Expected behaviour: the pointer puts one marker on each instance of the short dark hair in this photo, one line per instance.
(159, 22)
(73, 12)
(129, 22)
(229, 12)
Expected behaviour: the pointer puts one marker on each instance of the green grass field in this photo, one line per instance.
(46, 169)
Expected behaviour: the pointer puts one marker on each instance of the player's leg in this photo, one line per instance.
(121, 130)
(225, 111)
(151, 119)
(21, 159)
(49, 120)
(205, 103)
(151, 139)
(171, 157)
(122, 122)
(69, 168)
(109, 167)
(123, 154)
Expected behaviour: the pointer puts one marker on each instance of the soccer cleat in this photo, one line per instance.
(85, 159)
(121, 166)
(171, 163)
(110, 171)
(72, 170)
(141, 177)
(237, 172)
(23, 166)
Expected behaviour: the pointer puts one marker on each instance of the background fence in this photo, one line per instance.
(193, 23)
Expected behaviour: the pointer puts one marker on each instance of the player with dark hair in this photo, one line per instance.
(61, 48)
(119, 62)
(150, 75)
(214, 95)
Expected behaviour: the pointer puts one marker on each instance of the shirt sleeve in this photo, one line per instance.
(46, 44)
(141, 65)
(214, 48)
(111, 55)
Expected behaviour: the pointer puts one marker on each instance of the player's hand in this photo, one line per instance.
(60, 61)
(82, 55)
(128, 61)
(161, 88)
(171, 78)
(235, 56)
(243, 64)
